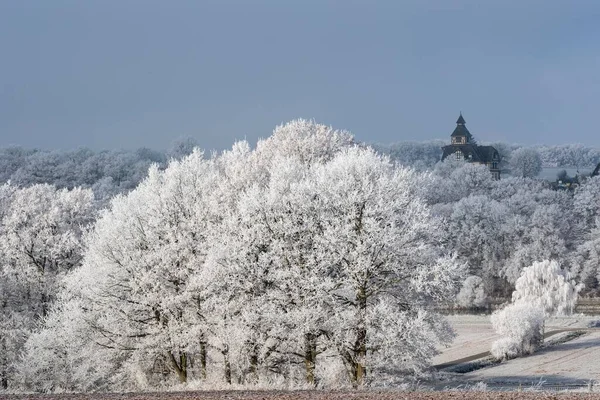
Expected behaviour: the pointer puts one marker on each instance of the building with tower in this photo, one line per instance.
(463, 147)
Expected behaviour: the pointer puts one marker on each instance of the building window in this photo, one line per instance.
(494, 165)
(459, 155)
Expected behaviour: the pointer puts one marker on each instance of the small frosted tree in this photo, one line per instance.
(545, 285)
(542, 290)
(526, 163)
(521, 327)
(472, 293)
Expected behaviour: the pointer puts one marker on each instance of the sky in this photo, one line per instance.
(110, 74)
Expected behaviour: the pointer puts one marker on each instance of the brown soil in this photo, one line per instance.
(312, 395)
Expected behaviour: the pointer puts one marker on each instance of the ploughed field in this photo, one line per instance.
(316, 395)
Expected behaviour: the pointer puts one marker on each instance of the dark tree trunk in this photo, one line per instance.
(179, 364)
(360, 345)
(203, 359)
(253, 372)
(227, 364)
(310, 357)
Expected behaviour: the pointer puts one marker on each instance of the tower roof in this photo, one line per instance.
(461, 129)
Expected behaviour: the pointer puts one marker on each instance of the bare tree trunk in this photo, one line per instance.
(227, 364)
(310, 356)
(3, 365)
(360, 345)
(361, 353)
(180, 366)
(253, 372)
(203, 359)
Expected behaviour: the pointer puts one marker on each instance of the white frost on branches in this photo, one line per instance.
(255, 267)
(546, 286)
(472, 293)
(521, 326)
(542, 290)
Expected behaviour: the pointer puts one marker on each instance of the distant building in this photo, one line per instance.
(463, 147)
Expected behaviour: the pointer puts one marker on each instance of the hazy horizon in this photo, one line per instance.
(129, 74)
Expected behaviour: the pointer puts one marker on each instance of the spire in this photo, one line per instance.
(461, 134)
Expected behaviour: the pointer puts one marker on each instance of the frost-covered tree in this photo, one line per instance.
(375, 229)
(525, 162)
(546, 286)
(472, 293)
(542, 290)
(138, 266)
(521, 327)
(586, 202)
(182, 147)
(477, 234)
(304, 140)
(569, 155)
(587, 260)
(40, 242)
(416, 155)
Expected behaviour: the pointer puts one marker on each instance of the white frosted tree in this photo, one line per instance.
(472, 293)
(542, 227)
(381, 241)
(272, 278)
(542, 290)
(521, 327)
(586, 202)
(545, 285)
(525, 162)
(476, 230)
(588, 259)
(40, 242)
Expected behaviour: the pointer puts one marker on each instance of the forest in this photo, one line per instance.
(308, 260)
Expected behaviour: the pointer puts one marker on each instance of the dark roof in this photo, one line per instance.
(596, 171)
(482, 154)
(466, 149)
(461, 129)
(487, 153)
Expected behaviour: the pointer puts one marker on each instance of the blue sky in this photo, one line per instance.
(130, 73)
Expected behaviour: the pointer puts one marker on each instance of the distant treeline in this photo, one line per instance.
(110, 172)
(107, 172)
(424, 155)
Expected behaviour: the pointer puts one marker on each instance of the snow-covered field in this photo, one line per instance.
(576, 361)
(474, 334)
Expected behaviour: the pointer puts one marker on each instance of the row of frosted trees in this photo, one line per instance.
(307, 261)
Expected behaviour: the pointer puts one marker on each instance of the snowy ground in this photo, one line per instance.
(576, 361)
(474, 334)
